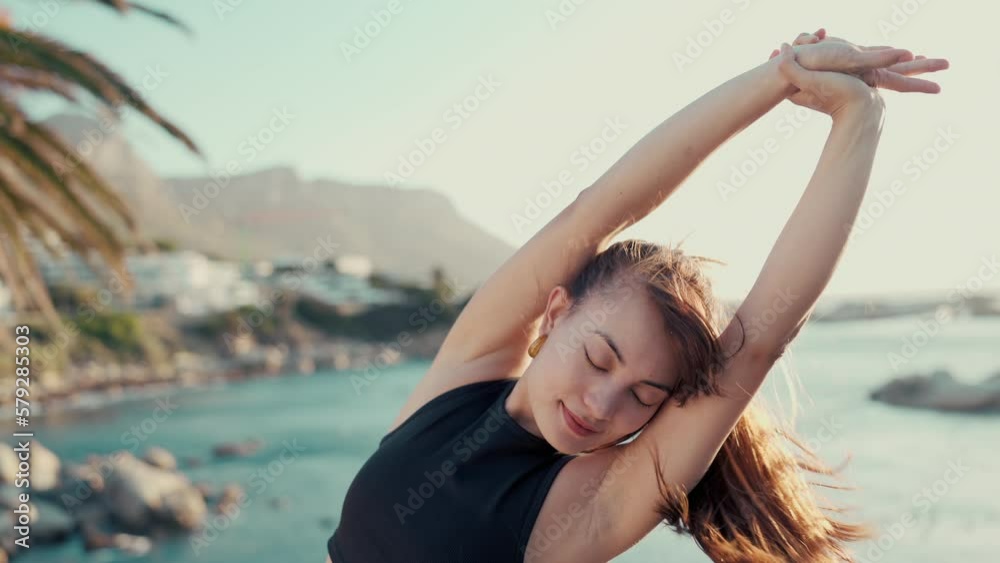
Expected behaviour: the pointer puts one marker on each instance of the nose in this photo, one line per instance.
(599, 400)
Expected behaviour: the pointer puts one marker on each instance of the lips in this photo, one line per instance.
(576, 425)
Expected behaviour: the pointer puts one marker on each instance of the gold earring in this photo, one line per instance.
(537, 345)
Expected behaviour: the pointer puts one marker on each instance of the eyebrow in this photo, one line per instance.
(621, 360)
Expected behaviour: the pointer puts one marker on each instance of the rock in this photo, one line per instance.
(135, 545)
(232, 495)
(84, 479)
(8, 464)
(159, 457)
(940, 391)
(44, 466)
(95, 538)
(49, 522)
(238, 449)
(141, 496)
(7, 533)
(205, 488)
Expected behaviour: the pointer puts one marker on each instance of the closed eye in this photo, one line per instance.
(585, 353)
(598, 368)
(640, 401)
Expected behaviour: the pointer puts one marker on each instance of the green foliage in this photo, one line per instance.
(248, 318)
(119, 333)
(383, 322)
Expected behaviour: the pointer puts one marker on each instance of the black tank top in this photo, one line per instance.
(460, 480)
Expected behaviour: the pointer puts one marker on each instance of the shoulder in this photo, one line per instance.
(442, 378)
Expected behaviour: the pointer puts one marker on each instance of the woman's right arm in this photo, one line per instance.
(503, 313)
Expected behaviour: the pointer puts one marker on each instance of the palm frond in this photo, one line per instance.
(30, 277)
(45, 187)
(122, 6)
(15, 78)
(48, 57)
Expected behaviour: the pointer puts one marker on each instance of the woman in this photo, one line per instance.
(522, 442)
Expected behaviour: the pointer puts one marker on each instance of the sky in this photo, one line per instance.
(501, 99)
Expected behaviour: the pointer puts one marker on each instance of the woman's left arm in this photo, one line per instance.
(810, 245)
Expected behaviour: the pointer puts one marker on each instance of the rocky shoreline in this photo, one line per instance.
(93, 383)
(116, 501)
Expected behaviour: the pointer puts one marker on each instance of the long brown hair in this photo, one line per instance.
(753, 503)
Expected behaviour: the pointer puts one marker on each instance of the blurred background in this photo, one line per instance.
(238, 231)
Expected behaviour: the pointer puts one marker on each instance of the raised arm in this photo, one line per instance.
(503, 311)
(491, 335)
(502, 316)
(684, 441)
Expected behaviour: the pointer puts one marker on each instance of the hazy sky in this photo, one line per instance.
(539, 79)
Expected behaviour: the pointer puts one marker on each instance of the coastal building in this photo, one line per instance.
(189, 280)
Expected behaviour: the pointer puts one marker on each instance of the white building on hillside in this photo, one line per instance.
(193, 282)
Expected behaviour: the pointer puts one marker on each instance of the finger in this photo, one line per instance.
(821, 33)
(791, 70)
(919, 66)
(805, 38)
(774, 53)
(862, 47)
(883, 58)
(893, 81)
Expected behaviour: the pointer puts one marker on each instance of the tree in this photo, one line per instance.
(45, 186)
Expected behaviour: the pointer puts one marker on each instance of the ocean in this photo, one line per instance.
(928, 480)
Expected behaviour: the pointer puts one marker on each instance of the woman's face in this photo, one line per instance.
(607, 366)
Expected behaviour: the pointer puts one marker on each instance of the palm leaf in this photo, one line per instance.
(39, 54)
(44, 187)
(30, 277)
(121, 6)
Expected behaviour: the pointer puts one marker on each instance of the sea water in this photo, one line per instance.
(927, 480)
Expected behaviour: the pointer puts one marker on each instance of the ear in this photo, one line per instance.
(556, 308)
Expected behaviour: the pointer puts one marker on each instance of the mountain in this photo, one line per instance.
(273, 213)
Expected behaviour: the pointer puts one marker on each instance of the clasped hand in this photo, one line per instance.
(830, 74)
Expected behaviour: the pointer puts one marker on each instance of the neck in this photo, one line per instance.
(519, 408)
